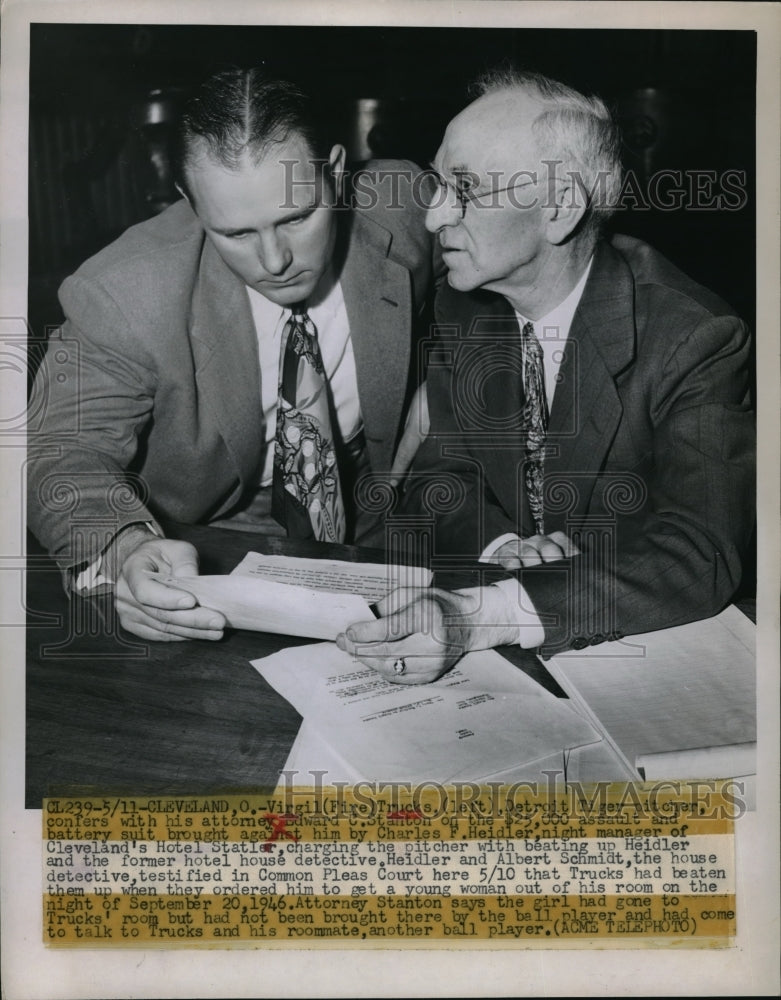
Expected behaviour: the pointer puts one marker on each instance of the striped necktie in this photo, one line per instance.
(307, 496)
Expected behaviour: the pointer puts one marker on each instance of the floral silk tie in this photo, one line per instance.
(534, 422)
(307, 497)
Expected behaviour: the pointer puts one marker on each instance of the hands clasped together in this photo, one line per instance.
(521, 552)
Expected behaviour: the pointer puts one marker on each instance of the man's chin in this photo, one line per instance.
(462, 282)
(286, 295)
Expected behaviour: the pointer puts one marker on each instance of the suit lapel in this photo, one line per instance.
(489, 386)
(378, 298)
(226, 359)
(587, 408)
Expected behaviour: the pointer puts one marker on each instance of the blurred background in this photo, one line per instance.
(103, 99)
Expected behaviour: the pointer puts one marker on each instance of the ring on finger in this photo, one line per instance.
(399, 666)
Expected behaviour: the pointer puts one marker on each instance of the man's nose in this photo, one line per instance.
(444, 210)
(275, 254)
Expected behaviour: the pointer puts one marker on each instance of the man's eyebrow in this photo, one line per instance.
(458, 170)
(298, 213)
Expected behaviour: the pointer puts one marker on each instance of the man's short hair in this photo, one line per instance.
(241, 111)
(574, 130)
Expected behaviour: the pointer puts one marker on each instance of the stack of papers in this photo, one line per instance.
(482, 718)
(678, 703)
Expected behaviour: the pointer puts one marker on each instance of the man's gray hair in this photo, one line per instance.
(575, 131)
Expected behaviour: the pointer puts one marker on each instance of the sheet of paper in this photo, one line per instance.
(371, 580)
(682, 688)
(311, 754)
(316, 598)
(484, 716)
(737, 760)
(265, 606)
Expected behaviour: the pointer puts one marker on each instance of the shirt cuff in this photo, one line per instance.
(496, 544)
(90, 578)
(96, 574)
(521, 612)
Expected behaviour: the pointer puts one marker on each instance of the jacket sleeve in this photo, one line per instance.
(91, 400)
(680, 558)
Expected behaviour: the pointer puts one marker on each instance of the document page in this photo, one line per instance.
(737, 760)
(371, 580)
(311, 754)
(316, 598)
(485, 716)
(265, 606)
(686, 688)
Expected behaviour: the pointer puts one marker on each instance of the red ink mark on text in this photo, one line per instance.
(278, 823)
(406, 814)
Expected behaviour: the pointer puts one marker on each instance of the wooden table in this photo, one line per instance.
(107, 712)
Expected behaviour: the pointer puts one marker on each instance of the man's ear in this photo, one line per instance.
(567, 204)
(337, 160)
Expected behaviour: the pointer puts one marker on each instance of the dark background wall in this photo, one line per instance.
(102, 98)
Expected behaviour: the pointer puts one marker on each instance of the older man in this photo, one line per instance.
(589, 403)
(241, 359)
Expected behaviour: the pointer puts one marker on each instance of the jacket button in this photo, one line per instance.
(596, 639)
(580, 643)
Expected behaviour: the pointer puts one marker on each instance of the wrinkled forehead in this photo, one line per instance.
(491, 135)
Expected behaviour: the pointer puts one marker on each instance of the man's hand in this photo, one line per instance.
(416, 429)
(430, 630)
(532, 551)
(152, 610)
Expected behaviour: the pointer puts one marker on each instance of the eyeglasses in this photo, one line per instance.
(465, 195)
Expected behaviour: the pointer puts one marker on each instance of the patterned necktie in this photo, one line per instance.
(307, 497)
(534, 422)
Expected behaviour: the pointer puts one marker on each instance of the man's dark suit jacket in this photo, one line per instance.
(650, 462)
(148, 403)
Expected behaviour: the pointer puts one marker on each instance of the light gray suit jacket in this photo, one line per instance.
(148, 402)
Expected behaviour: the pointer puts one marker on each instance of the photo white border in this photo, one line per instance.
(32, 971)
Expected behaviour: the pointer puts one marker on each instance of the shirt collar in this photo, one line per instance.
(561, 316)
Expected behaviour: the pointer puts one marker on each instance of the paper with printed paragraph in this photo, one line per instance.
(621, 865)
